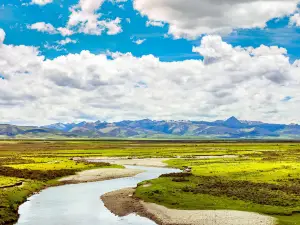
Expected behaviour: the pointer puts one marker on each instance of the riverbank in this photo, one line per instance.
(15, 196)
(99, 175)
(148, 162)
(123, 202)
(79, 204)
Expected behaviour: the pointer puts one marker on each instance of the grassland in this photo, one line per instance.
(265, 177)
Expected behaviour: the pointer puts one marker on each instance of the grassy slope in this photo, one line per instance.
(172, 194)
(266, 163)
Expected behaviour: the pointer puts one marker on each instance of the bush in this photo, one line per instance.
(35, 174)
(176, 175)
(260, 193)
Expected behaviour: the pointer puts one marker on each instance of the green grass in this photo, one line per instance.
(166, 192)
(59, 165)
(7, 181)
(255, 170)
(245, 183)
(11, 198)
(263, 178)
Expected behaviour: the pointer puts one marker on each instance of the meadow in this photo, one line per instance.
(264, 177)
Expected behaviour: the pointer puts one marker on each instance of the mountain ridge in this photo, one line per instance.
(146, 128)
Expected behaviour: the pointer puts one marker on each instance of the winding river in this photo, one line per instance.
(80, 204)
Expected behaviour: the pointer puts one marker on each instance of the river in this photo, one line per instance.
(80, 204)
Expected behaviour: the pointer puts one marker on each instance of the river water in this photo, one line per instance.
(80, 204)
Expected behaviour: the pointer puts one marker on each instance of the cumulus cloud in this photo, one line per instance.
(297, 63)
(113, 27)
(193, 18)
(265, 50)
(65, 31)
(43, 27)
(84, 18)
(2, 36)
(154, 23)
(139, 41)
(19, 61)
(245, 82)
(66, 41)
(50, 29)
(118, 1)
(41, 2)
(295, 20)
(84, 15)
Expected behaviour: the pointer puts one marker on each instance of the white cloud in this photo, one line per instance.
(193, 18)
(295, 20)
(85, 16)
(139, 41)
(118, 1)
(66, 41)
(2, 36)
(41, 2)
(246, 82)
(43, 27)
(50, 29)
(154, 23)
(113, 26)
(265, 50)
(65, 31)
(57, 48)
(297, 63)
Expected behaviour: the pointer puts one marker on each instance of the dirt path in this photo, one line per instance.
(100, 175)
(123, 203)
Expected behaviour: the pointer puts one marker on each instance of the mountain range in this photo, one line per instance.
(230, 128)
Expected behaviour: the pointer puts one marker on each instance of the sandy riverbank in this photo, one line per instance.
(148, 162)
(100, 175)
(123, 203)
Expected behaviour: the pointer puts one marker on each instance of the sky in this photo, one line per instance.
(112, 60)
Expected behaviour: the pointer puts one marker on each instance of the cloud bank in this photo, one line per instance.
(193, 18)
(245, 82)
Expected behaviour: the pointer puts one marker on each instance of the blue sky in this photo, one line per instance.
(110, 60)
(14, 18)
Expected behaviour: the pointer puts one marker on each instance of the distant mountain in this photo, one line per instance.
(234, 123)
(8, 131)
(251, 122)
(229, 128)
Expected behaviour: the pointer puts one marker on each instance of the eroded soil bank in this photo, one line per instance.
(123, 203)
